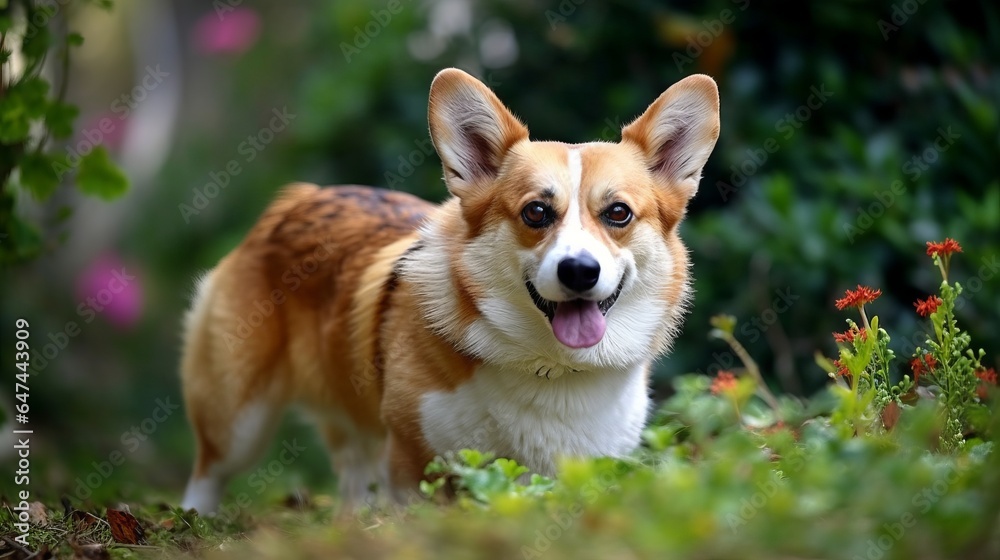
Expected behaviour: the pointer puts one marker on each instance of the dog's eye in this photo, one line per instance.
(617, 215)
(537, 214)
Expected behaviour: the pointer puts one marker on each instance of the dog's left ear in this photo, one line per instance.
(471, 129)
(678, 131)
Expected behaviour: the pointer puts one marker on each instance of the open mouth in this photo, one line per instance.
(549, 307)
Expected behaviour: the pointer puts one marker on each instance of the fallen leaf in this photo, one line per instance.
(37, 514)
(890, 415)
(125, 527)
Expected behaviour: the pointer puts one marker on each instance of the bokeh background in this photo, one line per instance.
(852, 132)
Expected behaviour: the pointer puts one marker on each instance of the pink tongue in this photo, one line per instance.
(578, 323)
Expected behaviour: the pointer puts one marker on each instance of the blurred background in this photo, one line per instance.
(852, 133)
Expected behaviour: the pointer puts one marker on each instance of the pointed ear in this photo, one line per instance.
(678, 131)
(471, 129)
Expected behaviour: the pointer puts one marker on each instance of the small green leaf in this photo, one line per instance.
(22, 243)
(430, 488)
(99, 177)
(474, 458)
(434, 467)
(24, 101)
(74, 39)
(59, 119)
(38, 176)
(32, 94)
(659, 438)
(510, 468)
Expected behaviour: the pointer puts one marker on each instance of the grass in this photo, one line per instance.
(712, 480)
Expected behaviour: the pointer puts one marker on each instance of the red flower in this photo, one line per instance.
(986, 377)
(723, 382)
(943, 248)
(859, 297)
(850, 334)
(841, 369)
(921, 365)
(927, 306)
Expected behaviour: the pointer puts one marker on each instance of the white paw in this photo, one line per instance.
(549, 370)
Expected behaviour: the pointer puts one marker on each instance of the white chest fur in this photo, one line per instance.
(536, 420)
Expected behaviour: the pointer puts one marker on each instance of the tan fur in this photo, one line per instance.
(304, 351)
(321, 303)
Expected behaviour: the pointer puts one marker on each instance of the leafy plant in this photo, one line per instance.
(33, 117)
(478, 476)
(946, 369)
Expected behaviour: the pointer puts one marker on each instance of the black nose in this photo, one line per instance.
(579, 273)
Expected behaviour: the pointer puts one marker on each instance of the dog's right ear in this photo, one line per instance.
(471, 129)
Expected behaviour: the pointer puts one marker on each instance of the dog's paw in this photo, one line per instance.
(549, 370)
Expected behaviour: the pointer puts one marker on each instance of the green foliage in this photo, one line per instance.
(99, 177)
(734, 491)
(481, 479)
(728, 491)
(31, 114)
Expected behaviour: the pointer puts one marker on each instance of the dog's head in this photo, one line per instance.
(571, 251)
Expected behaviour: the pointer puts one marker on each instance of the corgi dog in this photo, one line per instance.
(520, 317)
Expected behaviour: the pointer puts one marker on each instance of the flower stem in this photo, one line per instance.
(864, 318)
(752, 369)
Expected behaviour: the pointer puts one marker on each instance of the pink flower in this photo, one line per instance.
(105, 129)
(109, 288)
(227, 32)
